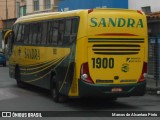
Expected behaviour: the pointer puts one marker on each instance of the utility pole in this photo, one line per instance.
(6, 12)
(6, 23)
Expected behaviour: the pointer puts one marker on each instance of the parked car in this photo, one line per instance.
(2, 59)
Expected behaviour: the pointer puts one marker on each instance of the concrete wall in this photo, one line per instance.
(137, 4)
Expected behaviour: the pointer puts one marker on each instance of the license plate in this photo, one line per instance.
(116, 89)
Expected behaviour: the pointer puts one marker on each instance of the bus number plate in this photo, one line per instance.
(103, 63)
(116, 89)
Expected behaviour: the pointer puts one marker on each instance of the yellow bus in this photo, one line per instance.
(81, 53)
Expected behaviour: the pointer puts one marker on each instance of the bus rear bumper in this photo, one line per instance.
(97, 90)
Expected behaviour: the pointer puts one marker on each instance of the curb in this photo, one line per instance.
(153, 91)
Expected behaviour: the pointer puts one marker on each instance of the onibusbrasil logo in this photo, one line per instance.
(21, 114)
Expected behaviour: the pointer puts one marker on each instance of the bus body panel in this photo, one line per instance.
(108, 22)
(115, 69)
(36, 64)
(106, 91)
(116, 53)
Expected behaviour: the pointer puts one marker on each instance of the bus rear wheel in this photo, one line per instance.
(57, 97)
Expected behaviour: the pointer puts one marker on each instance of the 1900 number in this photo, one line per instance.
(103, 62)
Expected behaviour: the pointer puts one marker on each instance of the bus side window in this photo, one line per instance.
(35, 33)
(22, 33)
(60, 32)
(55, 33)
(44, 33)
(75, 24)
(50, 32)
(39, 36)
(26, 33)
(19, 33)
(71, 29)
(67, 33)
(68, 27)
(30, 34)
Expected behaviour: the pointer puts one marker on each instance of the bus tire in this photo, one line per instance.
(57, 97)
(4, 64)
(18, 78)
(112, 99)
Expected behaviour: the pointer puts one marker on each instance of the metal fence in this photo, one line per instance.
(154, 60)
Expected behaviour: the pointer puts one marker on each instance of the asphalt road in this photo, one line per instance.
(32, 98)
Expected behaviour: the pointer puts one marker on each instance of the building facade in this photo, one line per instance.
(21, 8)
(39, 6)
(7, 16)
(7, 9)
(65, 5)
(10, 10)
(145, 5)
(7, 12)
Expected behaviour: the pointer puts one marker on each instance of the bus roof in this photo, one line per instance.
(50, 15)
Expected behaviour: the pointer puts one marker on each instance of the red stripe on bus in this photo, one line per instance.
(116, 34)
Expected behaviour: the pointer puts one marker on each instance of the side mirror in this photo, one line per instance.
(5, 38)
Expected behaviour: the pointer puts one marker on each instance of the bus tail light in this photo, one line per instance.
(140, 12)
(85, 76)
(90, 10)
(144, 72)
